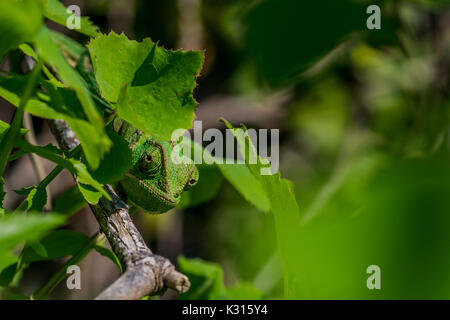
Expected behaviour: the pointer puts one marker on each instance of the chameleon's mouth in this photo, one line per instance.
(164, 196)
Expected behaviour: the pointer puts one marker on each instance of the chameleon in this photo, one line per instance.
(154, 182)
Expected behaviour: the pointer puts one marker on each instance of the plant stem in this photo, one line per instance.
(47, 288)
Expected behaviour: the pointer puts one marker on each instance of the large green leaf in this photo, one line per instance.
(152, 86)
(20, 21)
(58, 244)
(246, 184)
(245, 291)
(84, 178)
(49, 52)
(207, 282)
(76, 167)
(60, 103)
(17, 228)
(206, 188)
(108, 254)
(237, 174)
(56, 11)
(90, 194)
(284, 208)
(206, 279)
(67, 45)
(7, 261)
(117, 161)
(11, 88)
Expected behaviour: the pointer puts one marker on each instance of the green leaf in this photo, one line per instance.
(20, 21)
(7, 275)
(61, 104)
(29, 51)
(5, 126)
(206, 280)
(152, 86)
(84, 178)
(117, 161)
(109, 254)
(24, 190)
(67, 104)
(57, 12)
(36, 197)
(206, 188)
(245, 291)
(68, 45)
(284, 208)
(49, 52)
(38, 248)
(285, 37)
(77, 168)
(6, 260)
(11, 88)
(17, 228)
(91, 195)
(115, 60)
(246, 184)
(237, 174)
(70, 202)
(13, 133)
(58, 244)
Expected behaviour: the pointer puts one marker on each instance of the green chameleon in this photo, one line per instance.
(155, 182)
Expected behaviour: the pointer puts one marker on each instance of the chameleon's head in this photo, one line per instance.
(155, 182)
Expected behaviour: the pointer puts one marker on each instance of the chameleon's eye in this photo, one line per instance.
(150, 162)
(192, 180)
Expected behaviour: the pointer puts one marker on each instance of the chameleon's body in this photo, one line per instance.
(154, 182)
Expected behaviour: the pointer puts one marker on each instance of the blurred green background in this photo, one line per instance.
(364, 136)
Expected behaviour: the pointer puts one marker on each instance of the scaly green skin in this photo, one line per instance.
(155, 182)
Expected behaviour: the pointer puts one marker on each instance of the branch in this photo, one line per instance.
(146, 273)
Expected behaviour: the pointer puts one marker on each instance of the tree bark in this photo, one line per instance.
(145, 273)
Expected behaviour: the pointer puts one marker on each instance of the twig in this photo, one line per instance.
(146, 273)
